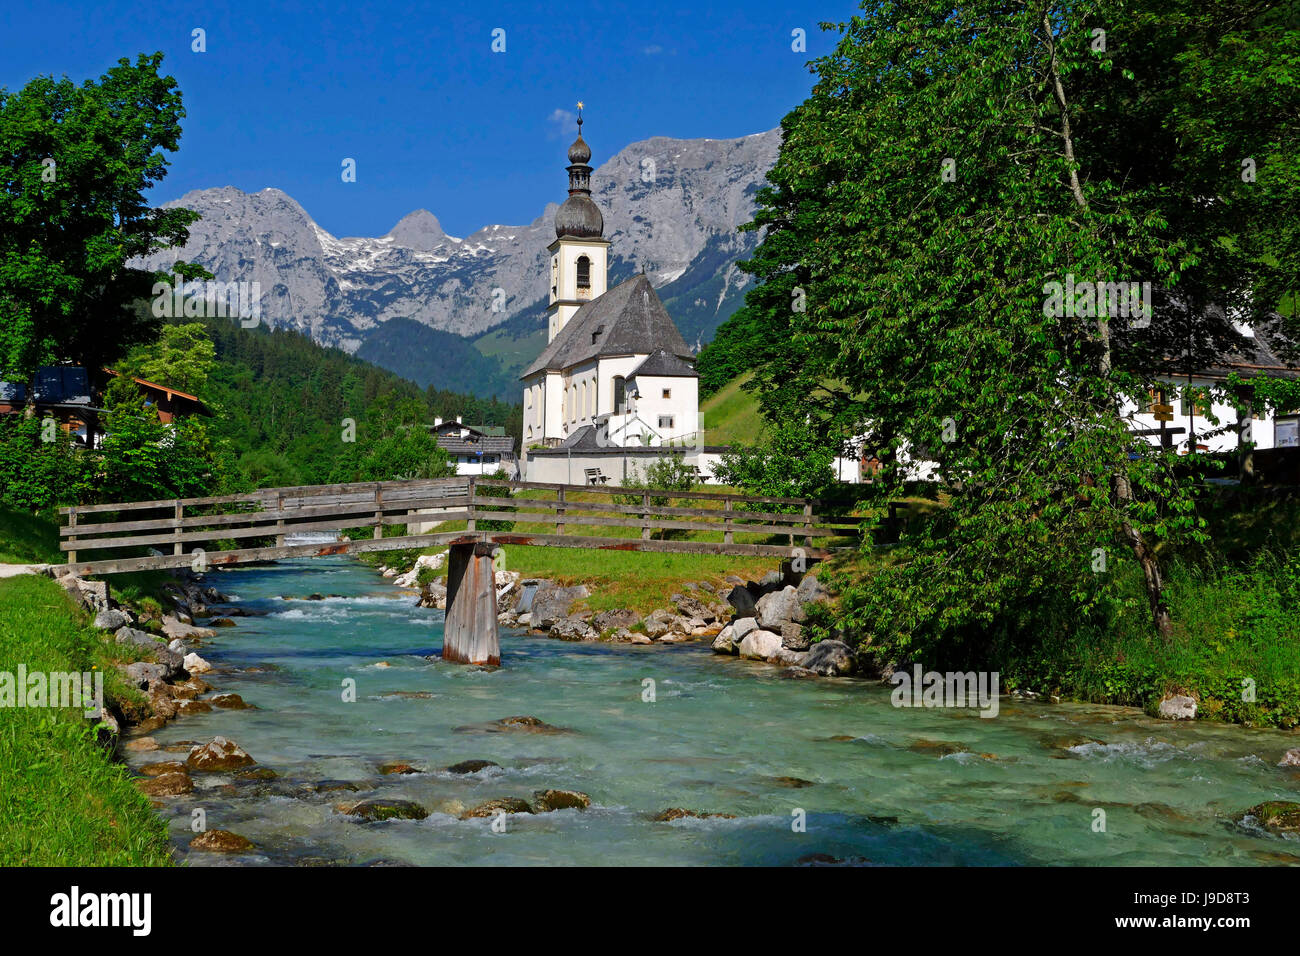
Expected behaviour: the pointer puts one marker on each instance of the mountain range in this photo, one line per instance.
(469, 313)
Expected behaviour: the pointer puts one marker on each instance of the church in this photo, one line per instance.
(616, 385)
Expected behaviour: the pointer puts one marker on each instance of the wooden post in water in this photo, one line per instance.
(470, 631)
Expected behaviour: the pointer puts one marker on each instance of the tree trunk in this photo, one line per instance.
(1123, 490)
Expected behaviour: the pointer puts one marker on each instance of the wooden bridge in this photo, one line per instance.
(200, 533)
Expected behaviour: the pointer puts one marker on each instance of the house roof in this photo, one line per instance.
(629, 319)
(487, 445)
(664, 364)
(170, 392)
(1257, 355)
(446, 427)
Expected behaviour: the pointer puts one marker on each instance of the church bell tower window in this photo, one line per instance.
(584, 273)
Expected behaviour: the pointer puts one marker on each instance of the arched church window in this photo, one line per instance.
(620, 394)
(584, 272)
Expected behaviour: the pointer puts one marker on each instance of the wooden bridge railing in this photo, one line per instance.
(233, 529)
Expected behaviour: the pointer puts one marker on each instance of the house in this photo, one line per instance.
(169, 403)
(63, 393)
(476, 449)
(616, 374)
(60, 393)
(1165, 416)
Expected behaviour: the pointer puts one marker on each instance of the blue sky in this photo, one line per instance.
(414, 93)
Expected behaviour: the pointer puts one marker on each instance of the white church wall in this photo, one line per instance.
(610, 367)
(553, 392)
(569, 469)
(672, 417)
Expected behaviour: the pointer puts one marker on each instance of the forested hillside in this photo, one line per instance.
(283, 402)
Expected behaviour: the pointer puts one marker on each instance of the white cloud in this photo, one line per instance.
(560, 122)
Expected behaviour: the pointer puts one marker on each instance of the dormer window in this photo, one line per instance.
(599, 330)
(584, 272)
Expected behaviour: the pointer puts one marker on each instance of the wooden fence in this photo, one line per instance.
(233, 529)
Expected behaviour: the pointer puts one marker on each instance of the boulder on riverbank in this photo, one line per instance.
(1177, 707)
(778, 607)
(829, 659)
(760, 645)
(551, 603)
(574, 629)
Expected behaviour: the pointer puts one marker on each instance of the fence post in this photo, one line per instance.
(645, 516)
(726, 535)
(179, 546)
(72, 539)
(379, 510)
(559, 511)
(807, 524)
(470, 523)
(279, 524)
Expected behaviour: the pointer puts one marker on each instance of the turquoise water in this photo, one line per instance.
(717, 738)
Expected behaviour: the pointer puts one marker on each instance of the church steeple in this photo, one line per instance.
(579, 216)
(579, 253)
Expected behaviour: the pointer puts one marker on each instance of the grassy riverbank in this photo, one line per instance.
(1234, 645)
(28, 539)
(1235, 636)
(64, 800)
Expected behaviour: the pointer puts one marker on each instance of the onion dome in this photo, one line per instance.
(579, 217)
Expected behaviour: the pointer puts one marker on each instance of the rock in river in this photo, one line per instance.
(397, 766)
(471, 766)
(166, 785)
(221, 841)
(545, 801)
(229, 702)
(677, 813)
(503, 805)
(1281, 816)
(530, 725)
(375, 810)
(218, 754)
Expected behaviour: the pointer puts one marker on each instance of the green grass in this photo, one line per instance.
(639, 580)
(29, 539)
(515, 354)
(63, 800)
(1235, 629)
(730, 415)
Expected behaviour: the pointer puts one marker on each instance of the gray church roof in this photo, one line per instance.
(629, 319)
(663, 363)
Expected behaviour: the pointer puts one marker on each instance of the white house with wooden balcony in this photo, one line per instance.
(616, 375)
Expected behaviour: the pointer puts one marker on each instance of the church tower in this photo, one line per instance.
(579, 254)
